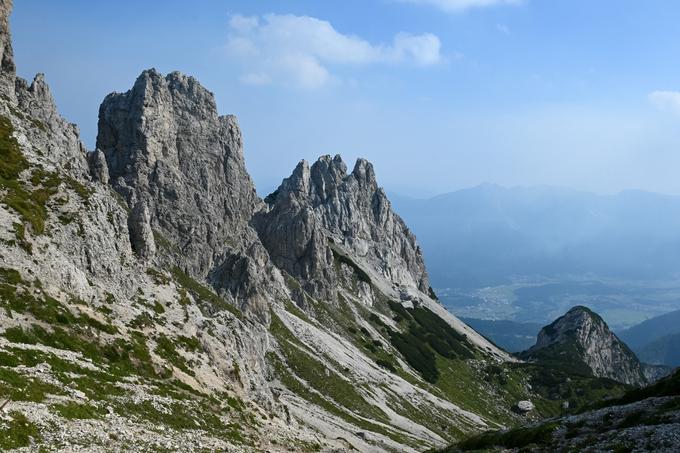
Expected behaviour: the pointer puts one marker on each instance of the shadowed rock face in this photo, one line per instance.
(582, 337)
(323, 204)
(167, 148)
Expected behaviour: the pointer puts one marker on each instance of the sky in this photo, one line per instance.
(439, 94)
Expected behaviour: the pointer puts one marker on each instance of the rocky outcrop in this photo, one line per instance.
(141, 234)
(167, 147)
(50, 132)
(321, 207)
(99, 170)
(7, 67)
(581, 341)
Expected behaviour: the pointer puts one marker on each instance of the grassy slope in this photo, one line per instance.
(437, 359)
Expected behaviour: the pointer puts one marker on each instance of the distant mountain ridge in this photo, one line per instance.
(656, 340)
(487, 234)
(652, 329)
(662, 351)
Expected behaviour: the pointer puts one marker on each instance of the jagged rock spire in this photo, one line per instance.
(167, 147)
(321, 204)
(8, 72)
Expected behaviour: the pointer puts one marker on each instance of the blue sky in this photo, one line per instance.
(438, 94)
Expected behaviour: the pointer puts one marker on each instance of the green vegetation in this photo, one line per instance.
(310, 379)
(562, 356)
(17, 387)
(159, 277)
(295, 310)
(83, 192)
(17, 432)
(669, 386)
(344, 259)
(29, 205)
(524, 437)
(20, 234)
(425, 335)
(338, 317)
(18, 297)
(123, 357)
(12, 162)
(166, 349)
(189, 410)
(29, 200)
(557, 385)
(417, 354)
(182, 416)
(161, 241)
(158, 308)
(116, 359)
(304, 391)
(202, 294)
(77, 411)
(326, 381)
(142, 320)
(189, 343)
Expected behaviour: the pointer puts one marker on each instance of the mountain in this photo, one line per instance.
(491, 235)
(656, 340)
(322, 212)
(152, 301)
(509, 335)
(662, 351)
(646, 419)
(651, 330)
(581, 341)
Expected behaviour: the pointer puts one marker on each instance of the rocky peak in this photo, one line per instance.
(7, 68)
(323, 204)
(364, 174)
(579, 322)
(582, 340)
(167, 148)
(34, 103)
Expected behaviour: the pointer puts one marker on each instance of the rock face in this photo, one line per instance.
(166, 146)
(99, 170)
(7, 67)
(321, 209)
(141, 234)
(581, 340)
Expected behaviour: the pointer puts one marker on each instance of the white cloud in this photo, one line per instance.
(666, 100)
(455, 6)
(255, 78)
(423, 49)
(243, 23)
(301, 50)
